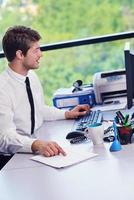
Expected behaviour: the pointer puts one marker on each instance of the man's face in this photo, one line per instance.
(31, 59)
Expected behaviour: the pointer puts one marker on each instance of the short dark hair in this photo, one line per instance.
(18, 38)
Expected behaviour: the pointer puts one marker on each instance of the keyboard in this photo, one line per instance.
(92, 117)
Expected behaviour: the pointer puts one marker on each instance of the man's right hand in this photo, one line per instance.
(47, 148)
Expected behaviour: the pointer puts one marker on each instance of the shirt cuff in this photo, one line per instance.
(26, 145)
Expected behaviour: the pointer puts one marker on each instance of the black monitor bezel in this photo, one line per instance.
(129, 61)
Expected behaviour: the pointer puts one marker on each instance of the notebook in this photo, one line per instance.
(73, 157)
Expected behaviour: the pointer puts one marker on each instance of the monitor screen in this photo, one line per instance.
(129, 66)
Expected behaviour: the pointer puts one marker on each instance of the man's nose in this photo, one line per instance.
(40, 54)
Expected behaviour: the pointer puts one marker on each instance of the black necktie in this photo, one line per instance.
(30, 97)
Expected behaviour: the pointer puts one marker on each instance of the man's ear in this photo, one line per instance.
(19, 54)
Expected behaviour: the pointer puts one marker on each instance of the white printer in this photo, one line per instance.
(109, 85)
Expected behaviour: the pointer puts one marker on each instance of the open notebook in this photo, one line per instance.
(73, 157)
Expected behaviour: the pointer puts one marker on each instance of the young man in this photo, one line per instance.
(22, 50)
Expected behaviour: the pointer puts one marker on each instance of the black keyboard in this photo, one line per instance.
(92, 117)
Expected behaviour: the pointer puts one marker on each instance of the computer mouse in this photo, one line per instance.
(74, 134)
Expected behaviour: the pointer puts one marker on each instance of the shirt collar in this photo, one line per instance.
(18, 77)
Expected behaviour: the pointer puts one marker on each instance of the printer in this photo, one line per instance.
(109, 85)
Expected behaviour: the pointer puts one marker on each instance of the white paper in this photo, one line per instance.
(59, 161)
(67, 92)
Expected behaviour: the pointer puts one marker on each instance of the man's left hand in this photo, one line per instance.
(77, 111)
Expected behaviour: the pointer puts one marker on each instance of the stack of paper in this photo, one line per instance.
(59, 161)
(68, 92)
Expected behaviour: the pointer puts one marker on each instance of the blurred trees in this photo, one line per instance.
(67, 20)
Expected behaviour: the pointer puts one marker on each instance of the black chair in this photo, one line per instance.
(4, 159)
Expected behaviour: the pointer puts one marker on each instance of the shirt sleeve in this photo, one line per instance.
(52, 113)
(11, 141)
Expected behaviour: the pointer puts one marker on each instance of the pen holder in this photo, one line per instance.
(125, 134)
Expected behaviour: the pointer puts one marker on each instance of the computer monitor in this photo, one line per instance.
(129, 66)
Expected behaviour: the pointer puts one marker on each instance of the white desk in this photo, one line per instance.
(107, 176)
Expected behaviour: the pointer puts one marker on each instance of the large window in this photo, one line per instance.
(66, 20)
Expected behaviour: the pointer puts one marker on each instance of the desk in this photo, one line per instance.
(107, 176)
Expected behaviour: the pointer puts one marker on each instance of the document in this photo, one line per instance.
(60, 161)
(67, 92)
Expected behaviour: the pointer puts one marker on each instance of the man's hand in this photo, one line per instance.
(47, 148)
(79, 110)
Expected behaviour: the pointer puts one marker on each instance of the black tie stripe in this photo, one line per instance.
(31, 101)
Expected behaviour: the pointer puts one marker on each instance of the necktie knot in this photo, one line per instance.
(27, 82)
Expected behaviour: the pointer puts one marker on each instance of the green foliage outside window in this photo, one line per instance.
(64, 20)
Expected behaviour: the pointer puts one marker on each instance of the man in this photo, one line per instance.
(22, 50)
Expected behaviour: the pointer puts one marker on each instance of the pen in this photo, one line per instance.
(115, 129)
(117, 119)
(126, 120)
(132, 116)
(120, 116)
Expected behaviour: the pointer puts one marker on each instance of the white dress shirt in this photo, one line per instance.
(15, 111)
